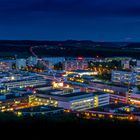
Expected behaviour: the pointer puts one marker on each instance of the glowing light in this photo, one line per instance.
(87, 114)
(34, 92)
(11, 109)
(67, 110)
(116, 102)
(12, 78)
(131, 118)
(57, 85)
(127, 109)
(61, 84)
(19, 114)
(108, 90)
(3, 110)
(80, 58)
(68, 86)
(3, 107)
(17, 102)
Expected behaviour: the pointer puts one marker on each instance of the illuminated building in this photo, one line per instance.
(54, 60)
(28, 82)
(84, 72)
(73, 101)
(135, 98)
(5, 66)
(58, 84)
(137, 69)
(138, 63)
(109, 87)
(43, 87)
(113, 111)
(75, 63)
(51, 61)
(2, 97)
(118, 93)
(11, 101)
(109, 59)
(118, 98)
(126, 77)
(39, 110)
(3, 90)
(125, 64)
(101, 98)
(20, 63)
(31, 61)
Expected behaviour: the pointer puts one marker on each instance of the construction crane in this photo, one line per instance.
(50, 70)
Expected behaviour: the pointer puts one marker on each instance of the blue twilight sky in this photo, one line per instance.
(98, 20)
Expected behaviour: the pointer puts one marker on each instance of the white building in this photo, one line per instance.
(28, 82)
(5, 66)
(53, 60)
(31, 61)
(138, 63)
(20, 63)
(137, 69)
(75, 64)
(125, 64)
(75, 101)
(126, 77)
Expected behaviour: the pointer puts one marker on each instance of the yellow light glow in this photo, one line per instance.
(57, 85)
(3, 110)
(19, 114)
(17, 102)
(3, 107)
(108, 90)
(127, 109)
(11, 109)
(61, 84)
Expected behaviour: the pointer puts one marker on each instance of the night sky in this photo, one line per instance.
(97, 20)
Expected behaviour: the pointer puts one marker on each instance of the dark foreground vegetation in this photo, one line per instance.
(66, 123)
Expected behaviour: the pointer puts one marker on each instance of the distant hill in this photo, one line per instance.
(70, 48)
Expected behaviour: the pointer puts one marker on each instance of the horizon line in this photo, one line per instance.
(69, 40)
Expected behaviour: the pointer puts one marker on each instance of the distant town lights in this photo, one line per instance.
(80, 58)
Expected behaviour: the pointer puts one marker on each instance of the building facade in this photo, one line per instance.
(20, 63)
(126, 77)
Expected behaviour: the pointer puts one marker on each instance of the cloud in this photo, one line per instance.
(89, 8)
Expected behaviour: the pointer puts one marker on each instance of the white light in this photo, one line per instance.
(12, 78)
(61, 84)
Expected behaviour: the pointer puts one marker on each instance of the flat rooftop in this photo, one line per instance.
(99, 93)
(123, 70)
(74, 94)
(70, 96)
(115, 106)
(19, 89)
(81, 71)
(111, 84)
(39, 109)
(49, 91)
(109, 107)
(27, 79)
(43, 86)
